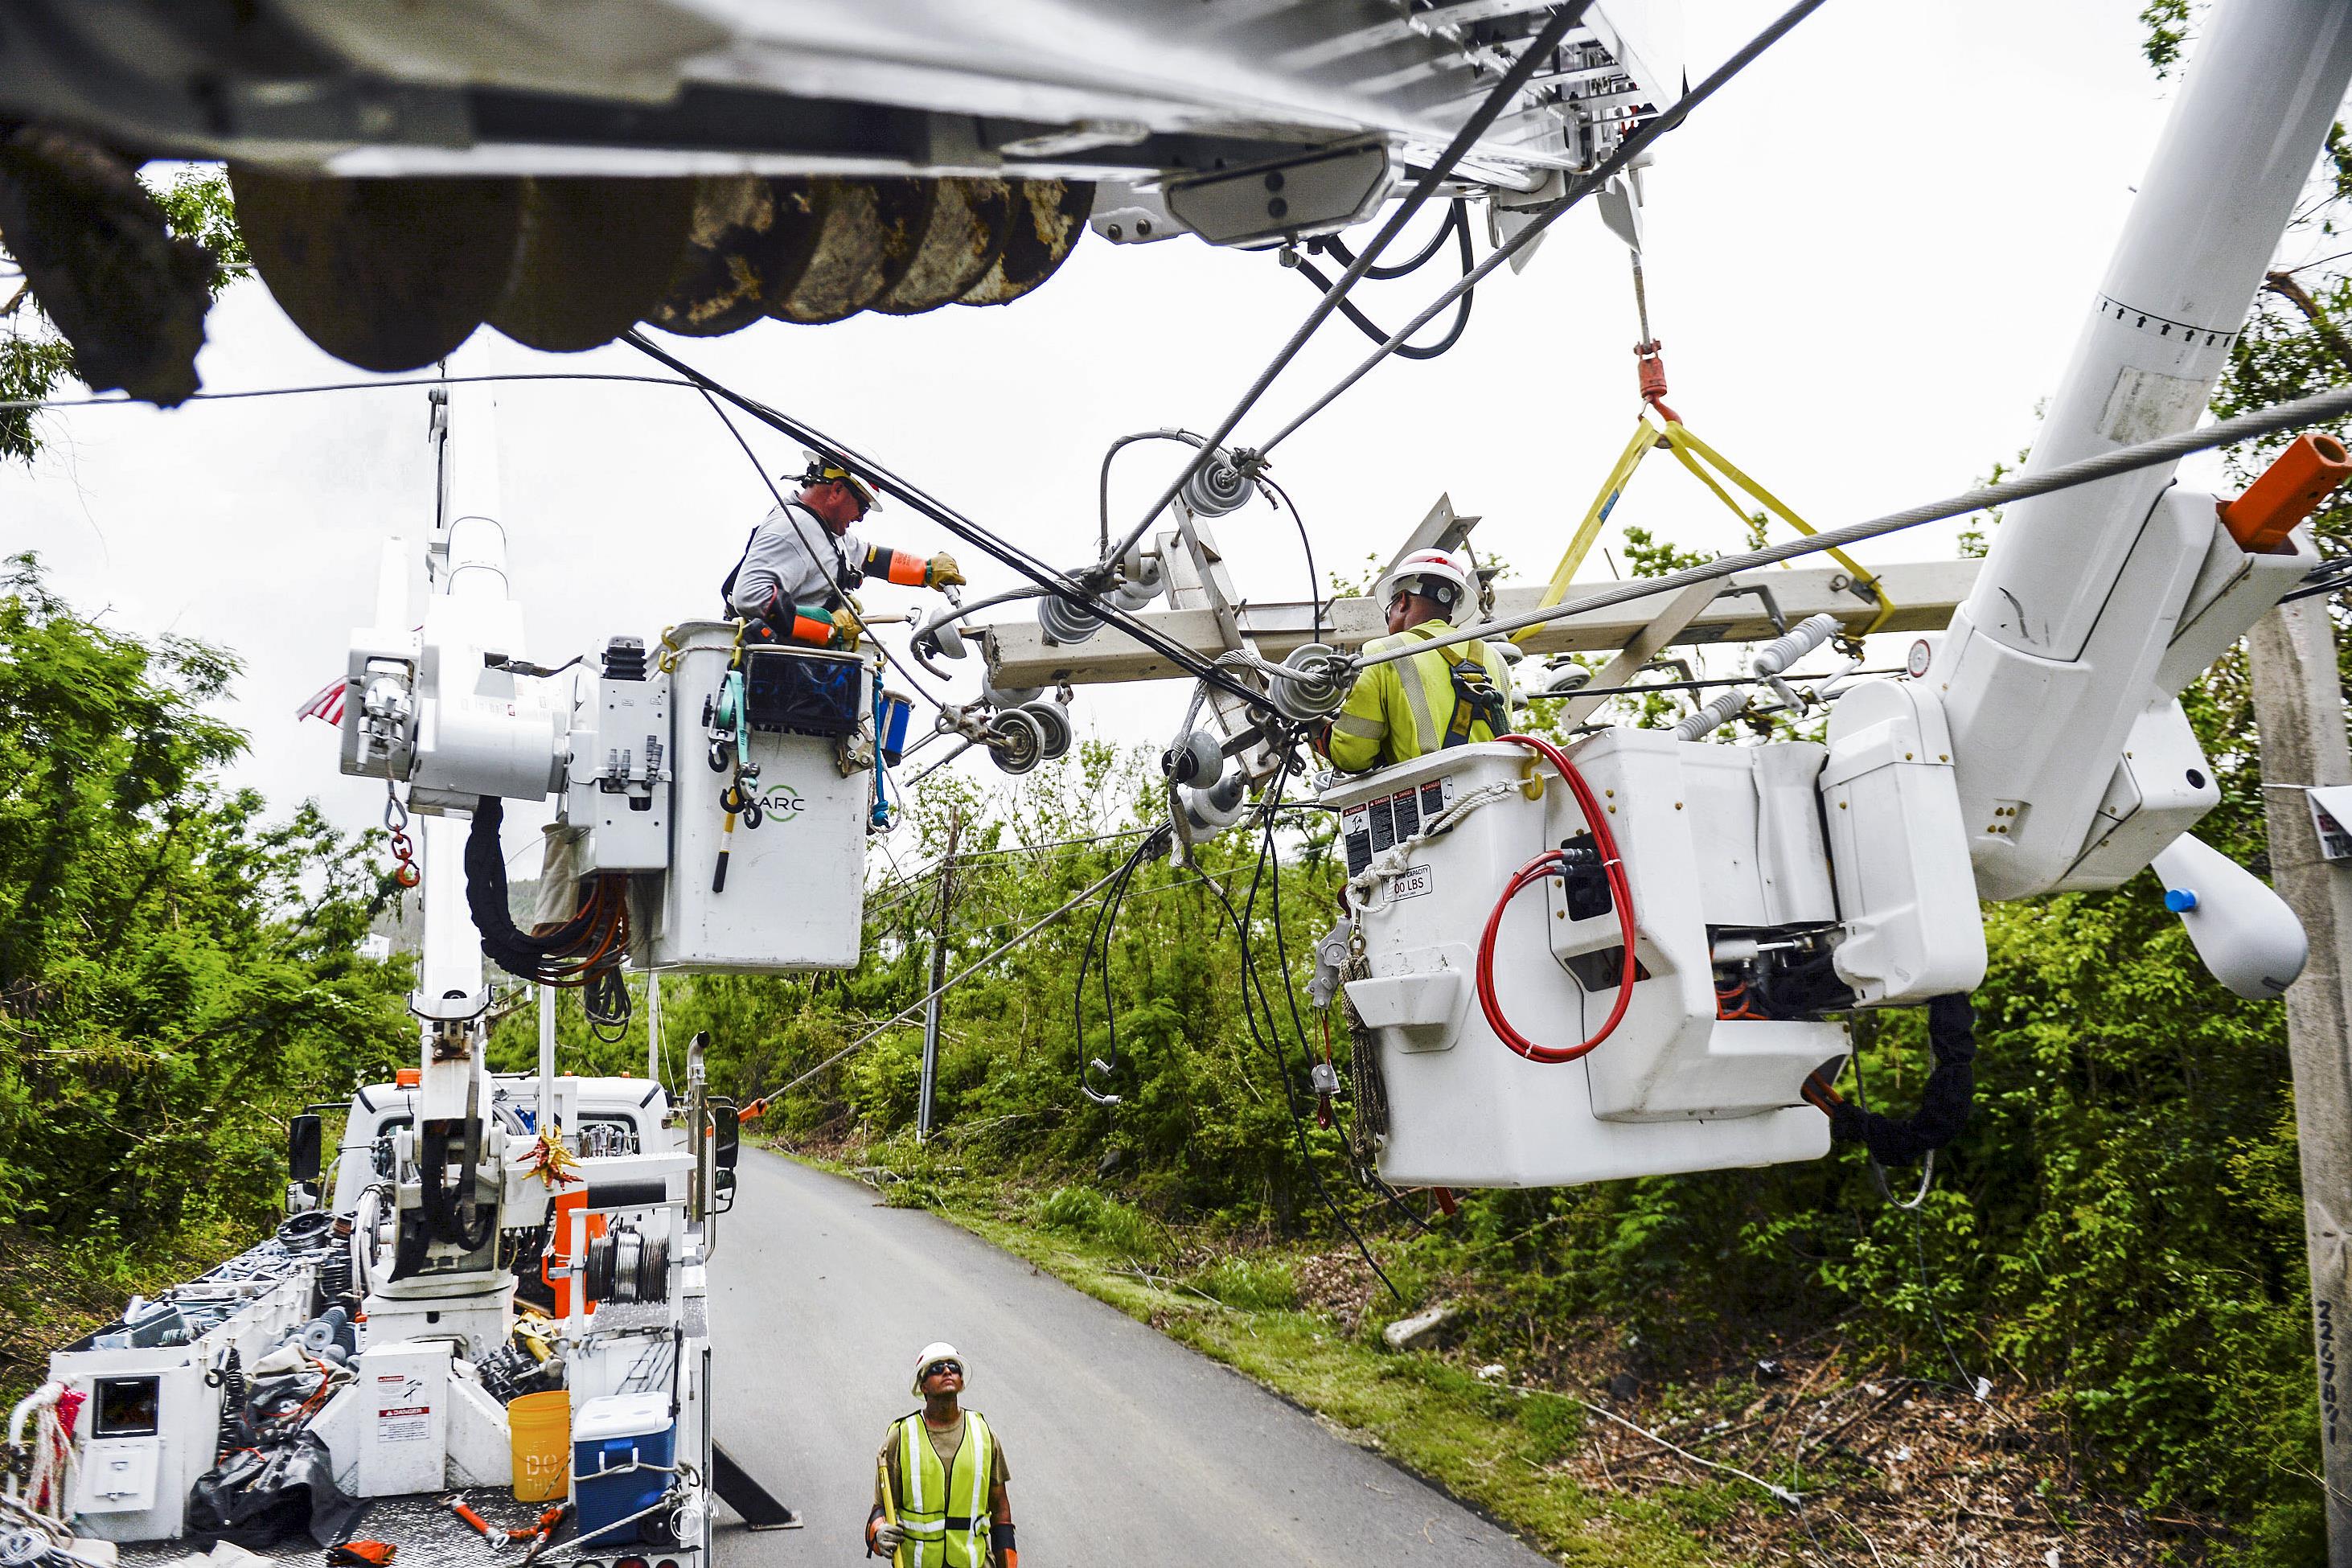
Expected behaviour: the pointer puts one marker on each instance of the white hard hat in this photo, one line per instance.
(937, 1350)
(1423, 567)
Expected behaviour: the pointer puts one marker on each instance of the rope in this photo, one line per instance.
(2314, 410)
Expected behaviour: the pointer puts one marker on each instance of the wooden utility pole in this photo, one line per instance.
(939, 979)
(2299, 709)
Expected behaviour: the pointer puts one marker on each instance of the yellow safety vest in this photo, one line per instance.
(945, 1516)
(1399, 711)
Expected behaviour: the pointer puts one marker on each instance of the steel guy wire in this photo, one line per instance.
(1539, 49)
(2316, 409)
(1627, 150)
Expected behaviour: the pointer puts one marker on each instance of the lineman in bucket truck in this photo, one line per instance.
(798, 566)
(1446, 697)
(938, 1481)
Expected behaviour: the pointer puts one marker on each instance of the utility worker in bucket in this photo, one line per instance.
(798, 566)
(1446, 697)
(938, 1481)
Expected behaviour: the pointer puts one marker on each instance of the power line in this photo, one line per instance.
(916, 1006)
(1627, 150)
(13, 403)
(1053, 582)
(1539, 49)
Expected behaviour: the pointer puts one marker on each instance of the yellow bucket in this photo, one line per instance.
(539, 1425)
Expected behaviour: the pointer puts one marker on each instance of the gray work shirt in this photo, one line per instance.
(794, 560)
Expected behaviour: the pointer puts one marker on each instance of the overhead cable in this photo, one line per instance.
(1539, 50)
(15, 403)
(1632, 147)
(2274, 420)
(1054, 583)
(907, 1012)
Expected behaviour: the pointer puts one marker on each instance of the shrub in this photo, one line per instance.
(1252, 1284)
(1084, 1212)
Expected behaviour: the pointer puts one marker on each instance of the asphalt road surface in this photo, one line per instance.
(1126, 1449)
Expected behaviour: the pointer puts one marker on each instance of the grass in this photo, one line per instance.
(1489, 1446)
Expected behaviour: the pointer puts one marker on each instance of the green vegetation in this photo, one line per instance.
(176, 976)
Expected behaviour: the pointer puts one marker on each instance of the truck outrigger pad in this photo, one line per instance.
(738, 1490)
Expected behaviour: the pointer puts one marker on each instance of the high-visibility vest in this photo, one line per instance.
(1402, 709)
(945, 1515)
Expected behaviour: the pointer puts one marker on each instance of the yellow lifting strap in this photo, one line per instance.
(1699, 458)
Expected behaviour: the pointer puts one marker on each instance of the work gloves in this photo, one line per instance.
(882, 1539)
(844, 629)
(941, 571)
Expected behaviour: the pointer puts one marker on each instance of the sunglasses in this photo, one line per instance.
(938, 1367)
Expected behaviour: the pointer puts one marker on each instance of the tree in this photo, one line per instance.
(35, 360)
(176, 976)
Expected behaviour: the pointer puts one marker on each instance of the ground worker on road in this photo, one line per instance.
(802, 560)
(1446, 697)
(938, 1481)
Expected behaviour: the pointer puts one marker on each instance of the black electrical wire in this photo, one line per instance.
(1533, 55)
(1540, 218)
(1314, 579)
(1289, 1093)
(1055, 582)
(1183, 437)
(1389, 273)
(1459, 226)
(1098, 936)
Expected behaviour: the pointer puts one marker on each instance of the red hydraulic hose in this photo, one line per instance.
(1534, 871)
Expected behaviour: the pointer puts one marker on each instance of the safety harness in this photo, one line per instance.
(1475, 697)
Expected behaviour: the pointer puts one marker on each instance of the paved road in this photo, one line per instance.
(1126, 1449)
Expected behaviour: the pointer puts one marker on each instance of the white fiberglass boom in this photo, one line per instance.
(2097, 603)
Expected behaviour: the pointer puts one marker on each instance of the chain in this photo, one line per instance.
(405, 871)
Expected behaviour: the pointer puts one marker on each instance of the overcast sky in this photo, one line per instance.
(1867, 258)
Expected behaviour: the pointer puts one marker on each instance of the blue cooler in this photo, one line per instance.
(609, 1437)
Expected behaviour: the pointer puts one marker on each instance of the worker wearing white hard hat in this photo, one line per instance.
(939, 1498)
(800, 564)
(1446, 697)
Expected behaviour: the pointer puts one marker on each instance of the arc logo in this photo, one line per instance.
(781, 802)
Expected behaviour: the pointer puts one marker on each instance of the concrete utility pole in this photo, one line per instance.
(2299, 707)
(939, 979)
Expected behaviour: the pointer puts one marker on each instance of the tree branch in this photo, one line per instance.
(2283, 284)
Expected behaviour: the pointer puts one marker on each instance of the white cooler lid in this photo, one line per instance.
(621, 1415)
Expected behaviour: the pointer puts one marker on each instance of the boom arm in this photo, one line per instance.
(2096, 605)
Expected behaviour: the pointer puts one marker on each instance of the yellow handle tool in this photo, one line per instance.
(890, 1509)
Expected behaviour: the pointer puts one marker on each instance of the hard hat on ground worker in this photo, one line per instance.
(1423, 572)
(824, 466)
(932, 1354)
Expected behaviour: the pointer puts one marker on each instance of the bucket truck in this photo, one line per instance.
(2037, 745)
(480, 1237)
